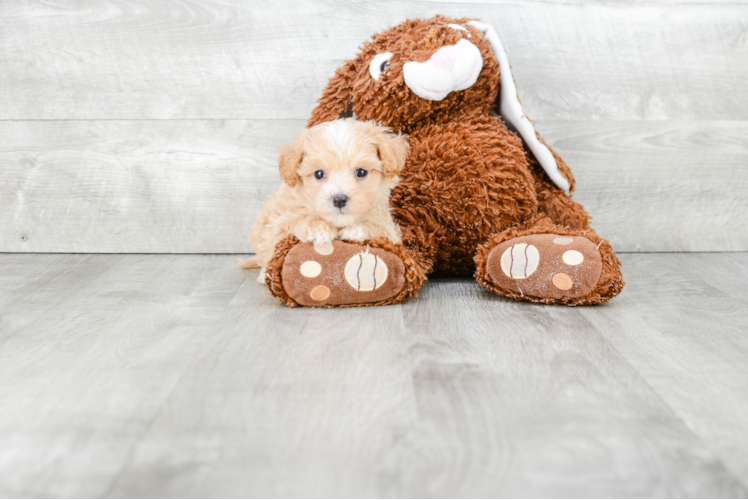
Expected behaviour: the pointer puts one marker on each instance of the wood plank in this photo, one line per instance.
(519, 400)
(660, 186)
(682, 323)
(83, 380)
(266, 60)
(281, 403)
(726, 273)
(171, 375)
(42, 284)
(136, 186)
(197, 186)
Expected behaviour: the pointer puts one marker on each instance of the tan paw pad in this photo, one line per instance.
(319, 293)
(572, 257)
(520, 261)
(310, 269)
(562, 281)
(365, 272)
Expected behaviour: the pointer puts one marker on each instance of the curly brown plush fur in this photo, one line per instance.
(469, 182)
(388, 100)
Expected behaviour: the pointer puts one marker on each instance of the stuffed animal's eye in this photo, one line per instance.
(379, 64)
(361, 172)
(319, 174)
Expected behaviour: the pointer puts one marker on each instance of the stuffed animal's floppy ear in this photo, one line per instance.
(336, 98)
(290, 158)
(393, 151)
(510, 109)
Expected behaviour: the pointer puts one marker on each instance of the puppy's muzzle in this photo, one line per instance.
(340, 200)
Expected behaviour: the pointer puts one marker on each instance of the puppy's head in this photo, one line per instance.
(344, 168)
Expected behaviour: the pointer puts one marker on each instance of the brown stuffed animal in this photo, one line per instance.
(474, 197)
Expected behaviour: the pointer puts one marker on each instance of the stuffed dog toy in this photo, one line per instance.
(481, 192)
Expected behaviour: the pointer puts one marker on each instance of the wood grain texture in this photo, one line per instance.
(106, 357)
(544, 387)
(136, 186)
(688, 339)
(287, 403)
(43, 284)
(660, 186)
(197, 186)
(152, 126)
(179, 59)
(168, 375)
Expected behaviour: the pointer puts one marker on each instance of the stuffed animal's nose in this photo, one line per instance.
(340, 200)
(445, 58)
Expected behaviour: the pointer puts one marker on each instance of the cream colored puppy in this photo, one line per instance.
(337, 181)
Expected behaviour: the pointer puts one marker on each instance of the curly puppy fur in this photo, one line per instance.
(323, 164)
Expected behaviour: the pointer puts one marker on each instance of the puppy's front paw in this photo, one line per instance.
(355, 233)
(317, 233)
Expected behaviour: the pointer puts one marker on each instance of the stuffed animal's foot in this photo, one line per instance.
(342, 274)
(552, 268)
(546, 265)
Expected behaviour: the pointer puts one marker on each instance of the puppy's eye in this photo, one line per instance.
(361, 173)
(379, 64)
(319, 174)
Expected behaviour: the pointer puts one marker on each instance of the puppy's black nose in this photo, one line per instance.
(340, 200)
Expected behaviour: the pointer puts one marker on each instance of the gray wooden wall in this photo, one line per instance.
(152, 125)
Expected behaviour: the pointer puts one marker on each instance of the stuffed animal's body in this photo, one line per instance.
(474, 197)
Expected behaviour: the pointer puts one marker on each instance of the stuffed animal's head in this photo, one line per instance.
(431, 68)
(419, 69)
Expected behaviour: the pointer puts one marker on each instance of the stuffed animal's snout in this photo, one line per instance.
(445, 57)
(451, 68)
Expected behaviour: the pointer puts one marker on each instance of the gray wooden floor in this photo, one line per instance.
(179, 375)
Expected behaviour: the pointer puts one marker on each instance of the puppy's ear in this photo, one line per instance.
(290, 159)
(393, 151)
(336, 98)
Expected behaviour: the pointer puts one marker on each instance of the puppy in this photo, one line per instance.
(337, 181)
